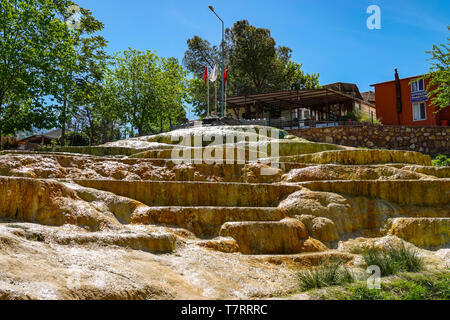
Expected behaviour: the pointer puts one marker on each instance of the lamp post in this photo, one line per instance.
(223, 62)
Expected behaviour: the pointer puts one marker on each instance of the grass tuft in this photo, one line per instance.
(327, 274)
(393, 259)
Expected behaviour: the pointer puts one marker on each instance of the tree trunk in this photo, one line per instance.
(63, 128)
(91, 132)
(111, 135)
(236, 113)
(1, 131)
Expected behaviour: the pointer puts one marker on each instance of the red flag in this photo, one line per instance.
(205, 76)
(225, 74)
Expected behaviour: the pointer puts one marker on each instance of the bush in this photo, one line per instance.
(441, 161)
(75, 139)
(327, 274)
(358, 116)
(354, 115)
(393, 259)
(368, 119)
(10, 144)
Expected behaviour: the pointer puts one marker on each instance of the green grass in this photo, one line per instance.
(393, 259)
(441, 161)
(406, 281)
(327, 274)
(14, 226)
(406, 286)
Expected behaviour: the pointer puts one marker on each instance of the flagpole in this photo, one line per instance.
(225, 107)
(207, 81)
(225, 78)
(215, 97)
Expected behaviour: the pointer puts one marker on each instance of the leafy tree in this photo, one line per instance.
(296, 79)
(199, 54)
(86, 75)
(148, 91)
(257, 65)
(174, 92)
(35, 49)
(198, 96)
(75, 139)
(439, 75)
(99, 119)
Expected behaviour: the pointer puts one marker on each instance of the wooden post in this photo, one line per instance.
(328, 108)
(290, 116)
(245, 105)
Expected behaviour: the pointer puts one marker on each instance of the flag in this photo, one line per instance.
(225, 74)
(205, 76)
(213, 75)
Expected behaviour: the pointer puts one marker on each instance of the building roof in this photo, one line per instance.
(348, 88)
(368, 96)
(53, 134)
(295, 98)
(408, 78)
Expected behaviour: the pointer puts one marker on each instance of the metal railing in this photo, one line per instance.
(280, 123)
(299, 124)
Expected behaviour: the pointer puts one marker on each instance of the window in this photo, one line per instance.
(419, 111)
(307, 115)
(417, 85)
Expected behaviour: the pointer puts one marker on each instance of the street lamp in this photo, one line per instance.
(223, 61)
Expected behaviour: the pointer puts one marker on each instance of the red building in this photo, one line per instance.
(405, 102)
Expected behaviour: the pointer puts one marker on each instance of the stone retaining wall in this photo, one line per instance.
(431, 140)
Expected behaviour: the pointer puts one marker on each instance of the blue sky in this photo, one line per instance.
(328, 37)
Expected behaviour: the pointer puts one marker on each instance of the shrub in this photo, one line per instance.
(327, 274)
(393, 259)
(358, 116)
(441, 161)
(75, 139)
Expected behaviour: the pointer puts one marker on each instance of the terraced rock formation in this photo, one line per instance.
(213, 217)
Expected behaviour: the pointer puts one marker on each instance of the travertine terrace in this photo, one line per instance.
(126, 221)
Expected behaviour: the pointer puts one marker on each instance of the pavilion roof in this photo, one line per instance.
(293, 98)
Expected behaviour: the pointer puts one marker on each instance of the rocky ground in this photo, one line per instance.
(125, 221)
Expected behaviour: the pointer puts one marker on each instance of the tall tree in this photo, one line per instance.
(174, 91)
(91, 61)
(148, 90)
(439, 75)
(99, 117)
(35, 49)
(257, 64)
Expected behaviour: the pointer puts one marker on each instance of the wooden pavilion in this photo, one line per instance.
(331, 103)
